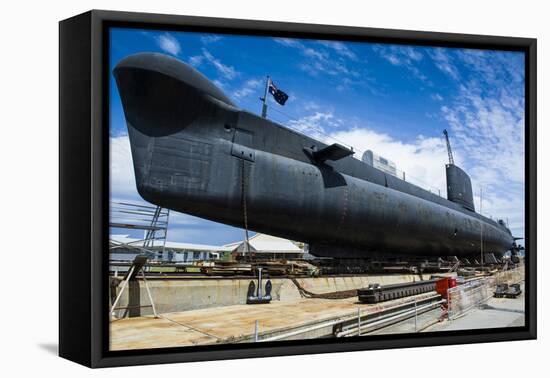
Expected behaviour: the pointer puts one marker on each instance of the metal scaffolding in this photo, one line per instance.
(152, 220)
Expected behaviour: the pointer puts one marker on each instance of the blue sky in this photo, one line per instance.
(392, 99)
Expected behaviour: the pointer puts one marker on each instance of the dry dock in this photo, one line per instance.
(302, 318)
(290, 317)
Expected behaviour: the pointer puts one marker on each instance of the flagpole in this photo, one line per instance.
(481, 228)
(264, 104)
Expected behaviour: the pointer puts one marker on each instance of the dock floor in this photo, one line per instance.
(232, 323)
(236, 323)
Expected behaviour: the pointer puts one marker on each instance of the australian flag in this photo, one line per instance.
(278, 94)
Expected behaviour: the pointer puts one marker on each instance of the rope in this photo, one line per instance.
(243, 201)
(333, 295)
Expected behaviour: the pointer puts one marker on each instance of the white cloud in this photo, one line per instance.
(492, 137)
(404, 56)
(219, 84)
(423, 159)
(500, 67)
(210, 38)
(398, 55)
(489, 133)
(311, 105)
(486, 118)
(340, 48)
(196, 60)
(249, 87)
(122, 179)
(169, 43)
(315, 125)
(443, 61)
(508, 208)
(316, 54)
(228, 72)
(326, 57)
(288, 42)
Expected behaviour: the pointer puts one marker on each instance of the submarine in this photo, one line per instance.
(195, 151)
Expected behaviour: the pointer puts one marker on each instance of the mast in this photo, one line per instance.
(264, 99)
(449, 151)
(481, 223)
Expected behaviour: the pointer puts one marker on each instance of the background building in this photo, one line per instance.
(268, 247)
(124, 248)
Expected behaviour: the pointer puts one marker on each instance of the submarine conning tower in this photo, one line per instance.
(459, 187)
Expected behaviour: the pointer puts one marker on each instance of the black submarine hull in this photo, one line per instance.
(195, 152)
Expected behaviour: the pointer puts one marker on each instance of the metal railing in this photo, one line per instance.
(465, 297)
(360, 322)
(475, 293)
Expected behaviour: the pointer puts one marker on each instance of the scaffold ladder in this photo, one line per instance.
(137, 267)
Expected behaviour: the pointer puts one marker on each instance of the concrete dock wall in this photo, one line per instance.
(174, 295)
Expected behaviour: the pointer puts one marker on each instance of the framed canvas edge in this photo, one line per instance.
(99, 206)
(75, 311)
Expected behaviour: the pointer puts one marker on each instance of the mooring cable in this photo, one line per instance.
(243, 202)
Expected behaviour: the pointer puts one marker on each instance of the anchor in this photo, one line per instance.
(257, 296)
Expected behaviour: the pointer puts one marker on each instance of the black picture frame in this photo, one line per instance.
(83, 180)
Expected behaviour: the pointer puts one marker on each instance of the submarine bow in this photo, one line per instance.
(195, 151)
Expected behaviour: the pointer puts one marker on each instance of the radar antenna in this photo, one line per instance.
(449, 151)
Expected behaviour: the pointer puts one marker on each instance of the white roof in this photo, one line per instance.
(174, 245)
(267, 243)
